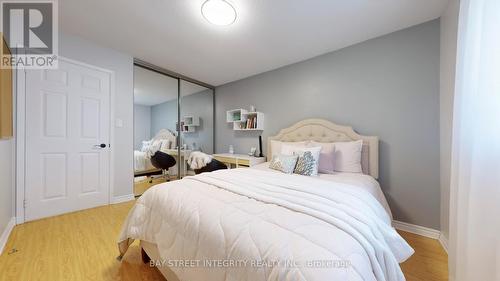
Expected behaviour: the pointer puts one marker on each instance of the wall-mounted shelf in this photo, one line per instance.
(189, 124)
(191, 121)
(245, 121)
(235, 115)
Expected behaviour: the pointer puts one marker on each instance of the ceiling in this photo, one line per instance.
(151, 88)
(266, 35)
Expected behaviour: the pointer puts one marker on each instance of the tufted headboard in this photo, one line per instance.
(325, 131)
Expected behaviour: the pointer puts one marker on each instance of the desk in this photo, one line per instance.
(239, 160)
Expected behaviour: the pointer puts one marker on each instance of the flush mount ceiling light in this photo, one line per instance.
(218, 12)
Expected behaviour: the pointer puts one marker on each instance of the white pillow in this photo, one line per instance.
(326, 157)
(145, 145)
(347, 156)
(276, 145)
(288, 148)
(299, 150)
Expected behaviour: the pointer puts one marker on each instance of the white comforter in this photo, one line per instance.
(276, 226)
(141, 162)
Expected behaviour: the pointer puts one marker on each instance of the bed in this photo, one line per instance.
(142, 163)
(259, 224)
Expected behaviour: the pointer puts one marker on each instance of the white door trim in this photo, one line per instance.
(20, 142)
(21, 134)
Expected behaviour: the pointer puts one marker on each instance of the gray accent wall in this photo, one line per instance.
(387, 87)
(142, 125)
(163, 116)
(202, 105)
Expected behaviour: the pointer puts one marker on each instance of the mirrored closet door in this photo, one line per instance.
(155, 117)
(197, 121)
(172, 118)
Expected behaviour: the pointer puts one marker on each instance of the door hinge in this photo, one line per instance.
(24, 203)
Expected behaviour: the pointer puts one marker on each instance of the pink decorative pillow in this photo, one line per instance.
(326, 157)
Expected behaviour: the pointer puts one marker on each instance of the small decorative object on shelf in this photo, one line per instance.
(252, 152)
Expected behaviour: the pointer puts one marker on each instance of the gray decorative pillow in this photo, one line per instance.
(306, 164)
(284, 163)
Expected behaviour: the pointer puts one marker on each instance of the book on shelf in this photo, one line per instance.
(250, 123)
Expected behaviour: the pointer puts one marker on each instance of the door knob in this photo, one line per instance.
(102, 145)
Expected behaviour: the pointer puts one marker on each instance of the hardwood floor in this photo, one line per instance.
(140, 186)
(430, 261)
(82, 246)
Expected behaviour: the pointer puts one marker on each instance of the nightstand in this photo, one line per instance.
(238, 160)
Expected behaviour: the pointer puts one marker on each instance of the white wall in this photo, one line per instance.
(122, 64)
(449, 27)
(142, 125)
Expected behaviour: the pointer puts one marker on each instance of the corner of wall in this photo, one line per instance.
(448, 40)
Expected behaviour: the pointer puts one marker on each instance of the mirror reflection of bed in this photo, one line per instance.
(158, 132)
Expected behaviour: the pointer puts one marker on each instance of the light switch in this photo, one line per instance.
(118, 123)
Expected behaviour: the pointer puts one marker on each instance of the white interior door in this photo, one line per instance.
(67, 120)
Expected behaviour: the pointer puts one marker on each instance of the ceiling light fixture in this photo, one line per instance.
(218, 12)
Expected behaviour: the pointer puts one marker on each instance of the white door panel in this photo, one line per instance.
(67, 115)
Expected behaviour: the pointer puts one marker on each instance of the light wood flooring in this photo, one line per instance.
(141, 186)
(82, 246)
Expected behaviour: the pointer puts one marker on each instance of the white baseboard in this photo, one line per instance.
(444, 242)
(6, 233)
(416, 229)
(123, 198)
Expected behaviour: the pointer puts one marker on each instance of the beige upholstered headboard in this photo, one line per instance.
(325, 131)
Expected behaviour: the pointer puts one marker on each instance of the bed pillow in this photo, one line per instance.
(347, 157)
(145, 145)
(283, 163)
(288, 148)
(276, 145)
(308, 161)
(304, 164)
(326, 157)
